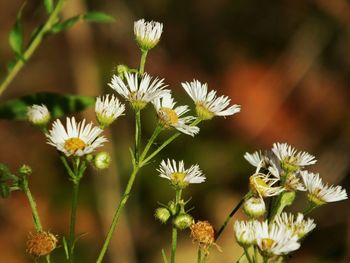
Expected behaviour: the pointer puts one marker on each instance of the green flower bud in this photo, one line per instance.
(183, 221)
(121, 70)
(162, 214)
(172, 208)
(102, 160)
(25, 170)
(254, 207)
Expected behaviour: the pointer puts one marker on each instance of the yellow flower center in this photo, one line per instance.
(167, 117)
(136, 103)
(267, 243)
(74, 144)
(315, 198)
(289, 164)
(203, 112)
(178, 179)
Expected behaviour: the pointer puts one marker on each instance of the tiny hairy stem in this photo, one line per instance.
(174, 229)
(137, 135)
(155, 134)
(165, 259)
(32, 46)
(32, 203)
(117, 214)
(228, 218)
(73, 219)
(143, 61)
(309, 209)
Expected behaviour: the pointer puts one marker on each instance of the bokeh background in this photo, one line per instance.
(286, 62)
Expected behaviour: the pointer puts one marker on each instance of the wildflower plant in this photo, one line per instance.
(269, 234)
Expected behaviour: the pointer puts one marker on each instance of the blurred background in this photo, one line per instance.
(286, 62)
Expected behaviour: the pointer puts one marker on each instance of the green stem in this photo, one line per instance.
(117, 214)
(174, 229)
(309, 209)
(32, 46)
(228, 218)
(143, 61)
(164, 144)
(265, 260)
(199, 255)
(32, 203)
(165, 259)
(246, 252)
(137, 135)
(150, 142)
(73, 220)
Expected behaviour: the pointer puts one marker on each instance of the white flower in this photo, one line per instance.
(299, 226)
(139, 92)
(170, 116)
(257, 159)
(147, 33)
(76, 139)
(292, 160)
(178, 175)
(245, 232)
(107, 110)
(38, 114)
(320, 193)
(275, 239)
(209, 105)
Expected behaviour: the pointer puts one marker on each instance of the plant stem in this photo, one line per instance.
(73, 219)
(199, 255)
(150, 141)
(117, 214)
(174, 229)
(32, 203)
(265, 260)
(165, 260)
(309, 209)
(32, 46)
(137, 135)
(143, 61)
(228, 218)
(246, 252)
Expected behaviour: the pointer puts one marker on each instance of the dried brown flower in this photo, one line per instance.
(41, 243)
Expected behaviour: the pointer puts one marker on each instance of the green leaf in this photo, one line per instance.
(16, 34)
(48, 6)
(58, 105)
(4, 190)
(61, 26)
(99, 17)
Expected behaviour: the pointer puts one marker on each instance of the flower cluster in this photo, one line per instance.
(275, 239)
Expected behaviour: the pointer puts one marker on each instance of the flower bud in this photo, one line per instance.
(25, 170)
(172, 208)
(41, 243)
(162, 214)
(102, 160)
(183, 221)
(147, 34)
(38, 115)
(121, 70)
(254, 207)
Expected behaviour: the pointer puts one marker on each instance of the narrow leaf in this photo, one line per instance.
(58, 105)
(65, 247)
(99, 17)
(48, 6)
(16, 34)
(61, 26)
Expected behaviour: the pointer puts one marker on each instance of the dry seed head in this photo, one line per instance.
(41, 243)
(203, 233)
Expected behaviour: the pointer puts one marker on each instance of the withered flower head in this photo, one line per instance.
(203, 233)
(41, 243)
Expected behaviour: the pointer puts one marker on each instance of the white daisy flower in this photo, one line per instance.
(178, 175)
(262, 185)
(209, 105)
(139, 92)
(274, 239)
(147, 33)
(320, 193)
(257, 159)
(108, 110)
(245, 232)
(76, 139)
(170, 116)
(298, 226)
(38, 115)
(291, 160)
